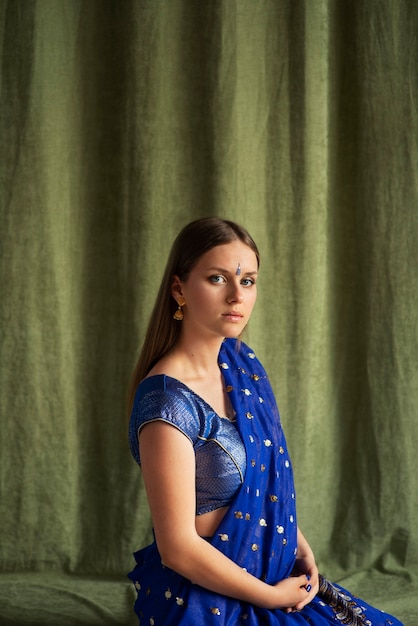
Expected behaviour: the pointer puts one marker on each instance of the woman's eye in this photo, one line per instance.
(247, 282)
(217, 278)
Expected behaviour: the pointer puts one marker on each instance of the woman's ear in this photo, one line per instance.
(176, 289)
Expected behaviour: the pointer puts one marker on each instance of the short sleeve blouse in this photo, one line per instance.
(219, 450)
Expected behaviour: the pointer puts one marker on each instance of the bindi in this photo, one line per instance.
(238, 272)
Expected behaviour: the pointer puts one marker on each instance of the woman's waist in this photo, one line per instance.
(207, 523)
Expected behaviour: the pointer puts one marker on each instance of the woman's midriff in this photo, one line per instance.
(207, 523)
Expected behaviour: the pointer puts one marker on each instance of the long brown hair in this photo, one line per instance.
(190, 244)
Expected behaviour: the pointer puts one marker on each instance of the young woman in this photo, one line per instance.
(206, 431)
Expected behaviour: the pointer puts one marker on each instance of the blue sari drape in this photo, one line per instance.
(258, 532)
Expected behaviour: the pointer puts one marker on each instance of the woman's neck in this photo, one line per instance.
(197, 359)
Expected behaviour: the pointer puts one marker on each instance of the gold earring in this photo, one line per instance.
(178, 315)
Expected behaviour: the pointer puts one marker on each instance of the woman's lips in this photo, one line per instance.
(234, 316)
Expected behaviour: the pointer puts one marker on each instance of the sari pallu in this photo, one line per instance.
(258, 532)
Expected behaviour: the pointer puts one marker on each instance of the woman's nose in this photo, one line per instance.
(235, 295)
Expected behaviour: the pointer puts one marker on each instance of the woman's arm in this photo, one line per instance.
(168, 466)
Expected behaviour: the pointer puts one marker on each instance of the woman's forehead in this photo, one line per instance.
(229, 256)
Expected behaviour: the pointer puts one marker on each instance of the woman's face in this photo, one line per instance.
(220, 291)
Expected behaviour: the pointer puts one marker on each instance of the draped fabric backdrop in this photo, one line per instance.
(121, 121)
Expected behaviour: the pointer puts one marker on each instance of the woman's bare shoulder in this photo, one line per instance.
(167, 366)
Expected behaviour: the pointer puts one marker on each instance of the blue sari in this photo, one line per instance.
(258, 532)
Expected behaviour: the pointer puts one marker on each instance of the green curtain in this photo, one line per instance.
(120, 122)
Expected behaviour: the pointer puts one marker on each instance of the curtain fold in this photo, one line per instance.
(122, 121)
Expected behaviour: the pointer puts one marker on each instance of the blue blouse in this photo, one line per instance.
(219, 450)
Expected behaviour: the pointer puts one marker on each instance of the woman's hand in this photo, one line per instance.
(311, 589)
(294, 592)
(305, 565)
